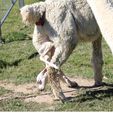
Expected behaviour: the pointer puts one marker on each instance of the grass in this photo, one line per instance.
(19, 105)
(19, 65)
(4, 91)
(13, 62)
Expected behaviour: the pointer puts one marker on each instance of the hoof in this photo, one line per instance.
(56, 99)
(60, 97)
(42, 83)
(60, 100)
(73, 85)
(97, 84)
(41, 86)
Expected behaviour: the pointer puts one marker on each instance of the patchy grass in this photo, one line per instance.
(15, 63)
(4, 91)
(13, 25)
(19, 105)
(19, 65)
(79, 63)
(90, 100)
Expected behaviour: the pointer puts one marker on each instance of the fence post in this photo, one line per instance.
(0, 33)
(21, 3)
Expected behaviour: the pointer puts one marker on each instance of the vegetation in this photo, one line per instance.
(19, 65)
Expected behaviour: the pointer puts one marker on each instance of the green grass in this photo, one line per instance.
(19, 105)
(90, 100)
(4, 91)
(18, 65)
(15, 63)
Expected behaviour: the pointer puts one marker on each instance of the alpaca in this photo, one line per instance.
(103, 12)
(67, 22)
(44, 46)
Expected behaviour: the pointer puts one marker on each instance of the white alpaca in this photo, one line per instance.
(103, 11)
(42, 43)
(67, 22)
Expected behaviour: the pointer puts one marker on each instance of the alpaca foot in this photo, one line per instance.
(39, 77)
(41, 80)
(97, 84)
(73, 84)
(60, 97)
(41, 84)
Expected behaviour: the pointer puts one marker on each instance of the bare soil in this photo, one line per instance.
(31, 92)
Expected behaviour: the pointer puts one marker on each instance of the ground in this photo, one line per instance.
(28, 94)
(20, 64)
(32, 93)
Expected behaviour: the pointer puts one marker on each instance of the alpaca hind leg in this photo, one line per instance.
(97, 60)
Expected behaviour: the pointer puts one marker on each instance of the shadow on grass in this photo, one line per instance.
(33, 55)
(87, 93)
(99, 94)
(93, 86)
(4, 64)
(15, 36)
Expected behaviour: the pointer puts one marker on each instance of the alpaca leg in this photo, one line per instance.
(97, 60)
(42, 79)
(63, 78)
(61, 54)
(55, 84)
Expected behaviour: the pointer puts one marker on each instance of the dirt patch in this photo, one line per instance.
(24, 88)
(34, 95)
